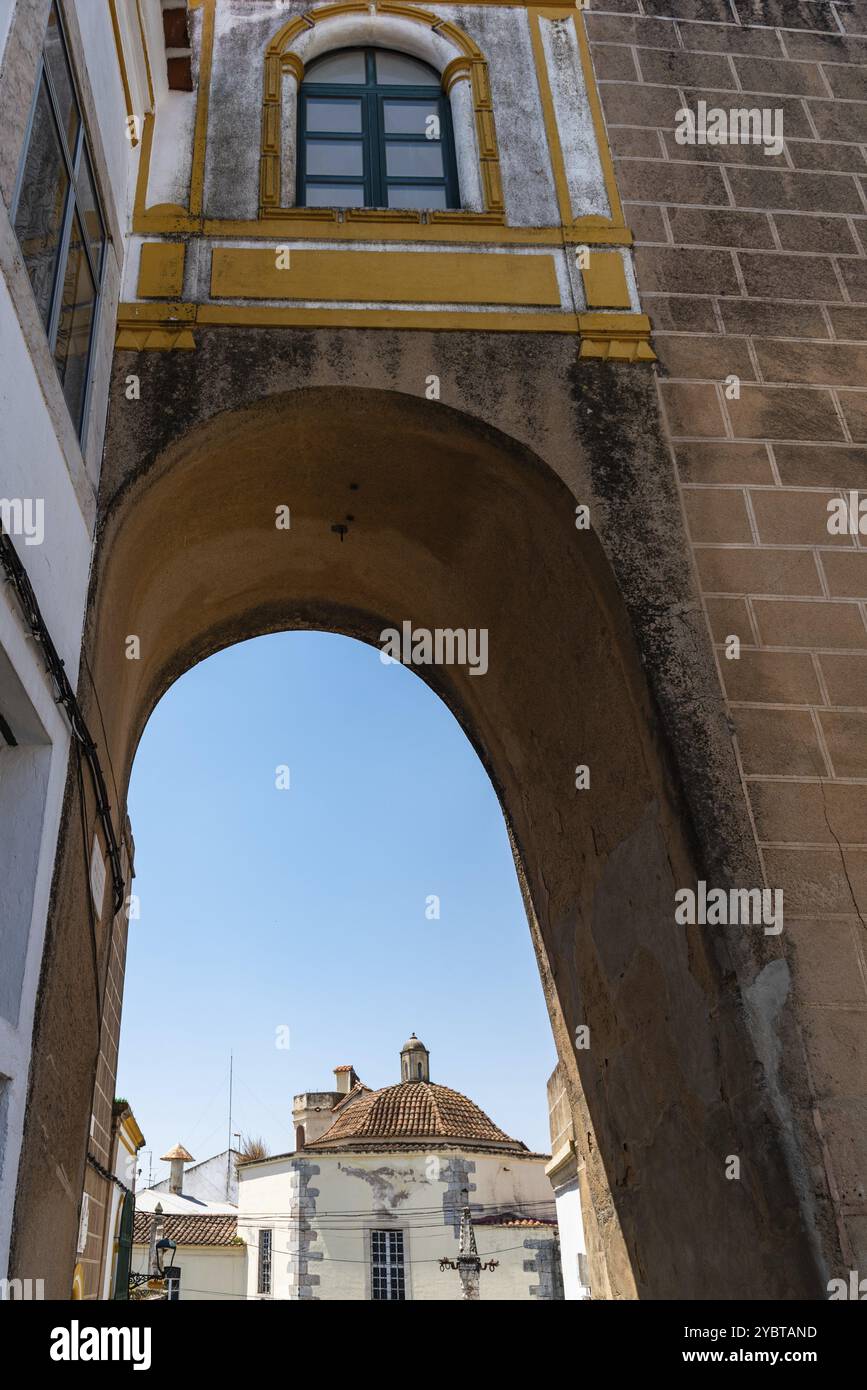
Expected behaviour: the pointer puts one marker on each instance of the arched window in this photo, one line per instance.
(374, 131)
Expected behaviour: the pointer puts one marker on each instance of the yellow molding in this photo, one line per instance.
(164, 327)
(392, 277)
(616, 337)
(203, 98)
(124, 77)
(454, 71)
(604, 280)
(139, 211)
(144, 49)
(161, 269)
(135, 334)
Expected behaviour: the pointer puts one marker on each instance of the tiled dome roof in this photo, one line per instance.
(414, 1110)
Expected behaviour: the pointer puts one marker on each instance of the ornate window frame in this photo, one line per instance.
(407, 29)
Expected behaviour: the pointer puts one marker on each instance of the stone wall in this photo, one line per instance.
(753, 265)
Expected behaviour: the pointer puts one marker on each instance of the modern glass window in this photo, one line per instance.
(374, 131)
(58, 220)
(264, 1285)
(388, 1280)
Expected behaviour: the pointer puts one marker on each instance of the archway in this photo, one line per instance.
(456, 525)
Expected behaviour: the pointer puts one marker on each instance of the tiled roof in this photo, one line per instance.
(510, 1220)
(344, 1068)
(414, 1109)
(187, 1230)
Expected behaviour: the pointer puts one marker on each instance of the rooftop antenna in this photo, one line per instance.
(229, 1146)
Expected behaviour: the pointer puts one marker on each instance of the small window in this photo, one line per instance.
(374, 131)
(387, 1268)
(58, 221)
(264, 1285)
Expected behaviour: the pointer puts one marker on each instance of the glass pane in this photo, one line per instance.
(72, 348)
(347, 66)
(416, 196)
(414, 161)
(335, 195)
(39, 217)
(61, 78)
(412, 118)
(89, 210)
(335, 157)
(334, 116)
(398, 68)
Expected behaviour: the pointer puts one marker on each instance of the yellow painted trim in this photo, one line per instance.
(160, 329)
(555, 149)
(604, 279)
(618, 337)
(161, 269)
(390, 277)
(203, 98)
(367, 224)
(139, 211)
(144, 49)
(124, 77)
(595, 104)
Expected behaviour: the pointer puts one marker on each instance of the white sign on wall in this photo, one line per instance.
(97, 876)
(83, 1224)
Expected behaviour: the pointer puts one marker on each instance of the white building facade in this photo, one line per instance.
(371, 1204)
(71, 76)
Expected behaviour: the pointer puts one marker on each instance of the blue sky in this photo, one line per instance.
(304, 909)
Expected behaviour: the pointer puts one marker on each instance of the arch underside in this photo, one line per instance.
(458, 525)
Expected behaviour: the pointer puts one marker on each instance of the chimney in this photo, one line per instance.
(344, 1079)
(177, 1157)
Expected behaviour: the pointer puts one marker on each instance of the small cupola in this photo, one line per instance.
(414, 1061)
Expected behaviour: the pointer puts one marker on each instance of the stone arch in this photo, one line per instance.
(462, 526)
(407, 29)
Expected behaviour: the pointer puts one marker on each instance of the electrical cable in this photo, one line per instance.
(17, 576)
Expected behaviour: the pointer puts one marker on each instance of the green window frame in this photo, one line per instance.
(59, 222)
(386, 152)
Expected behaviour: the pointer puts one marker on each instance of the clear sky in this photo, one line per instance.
(265, 910)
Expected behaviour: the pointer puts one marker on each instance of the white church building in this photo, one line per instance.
(370, 1203)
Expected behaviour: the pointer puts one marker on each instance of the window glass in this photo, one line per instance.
(72, 345)
(417, 195)
(408, 72)
(335, 157)
(61, 78)
(335, 195)
(42, 203)
(414, 161)
(58, 221)
(333, 116)
(347, 66)
(411, 117)
(396, 132)
(90, 214)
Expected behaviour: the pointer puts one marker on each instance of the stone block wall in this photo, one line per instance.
(753, 266)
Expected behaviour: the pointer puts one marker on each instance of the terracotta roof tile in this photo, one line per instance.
(414, 1109)
(187, 1230)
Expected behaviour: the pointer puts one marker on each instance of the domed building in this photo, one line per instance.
(386, 1184)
